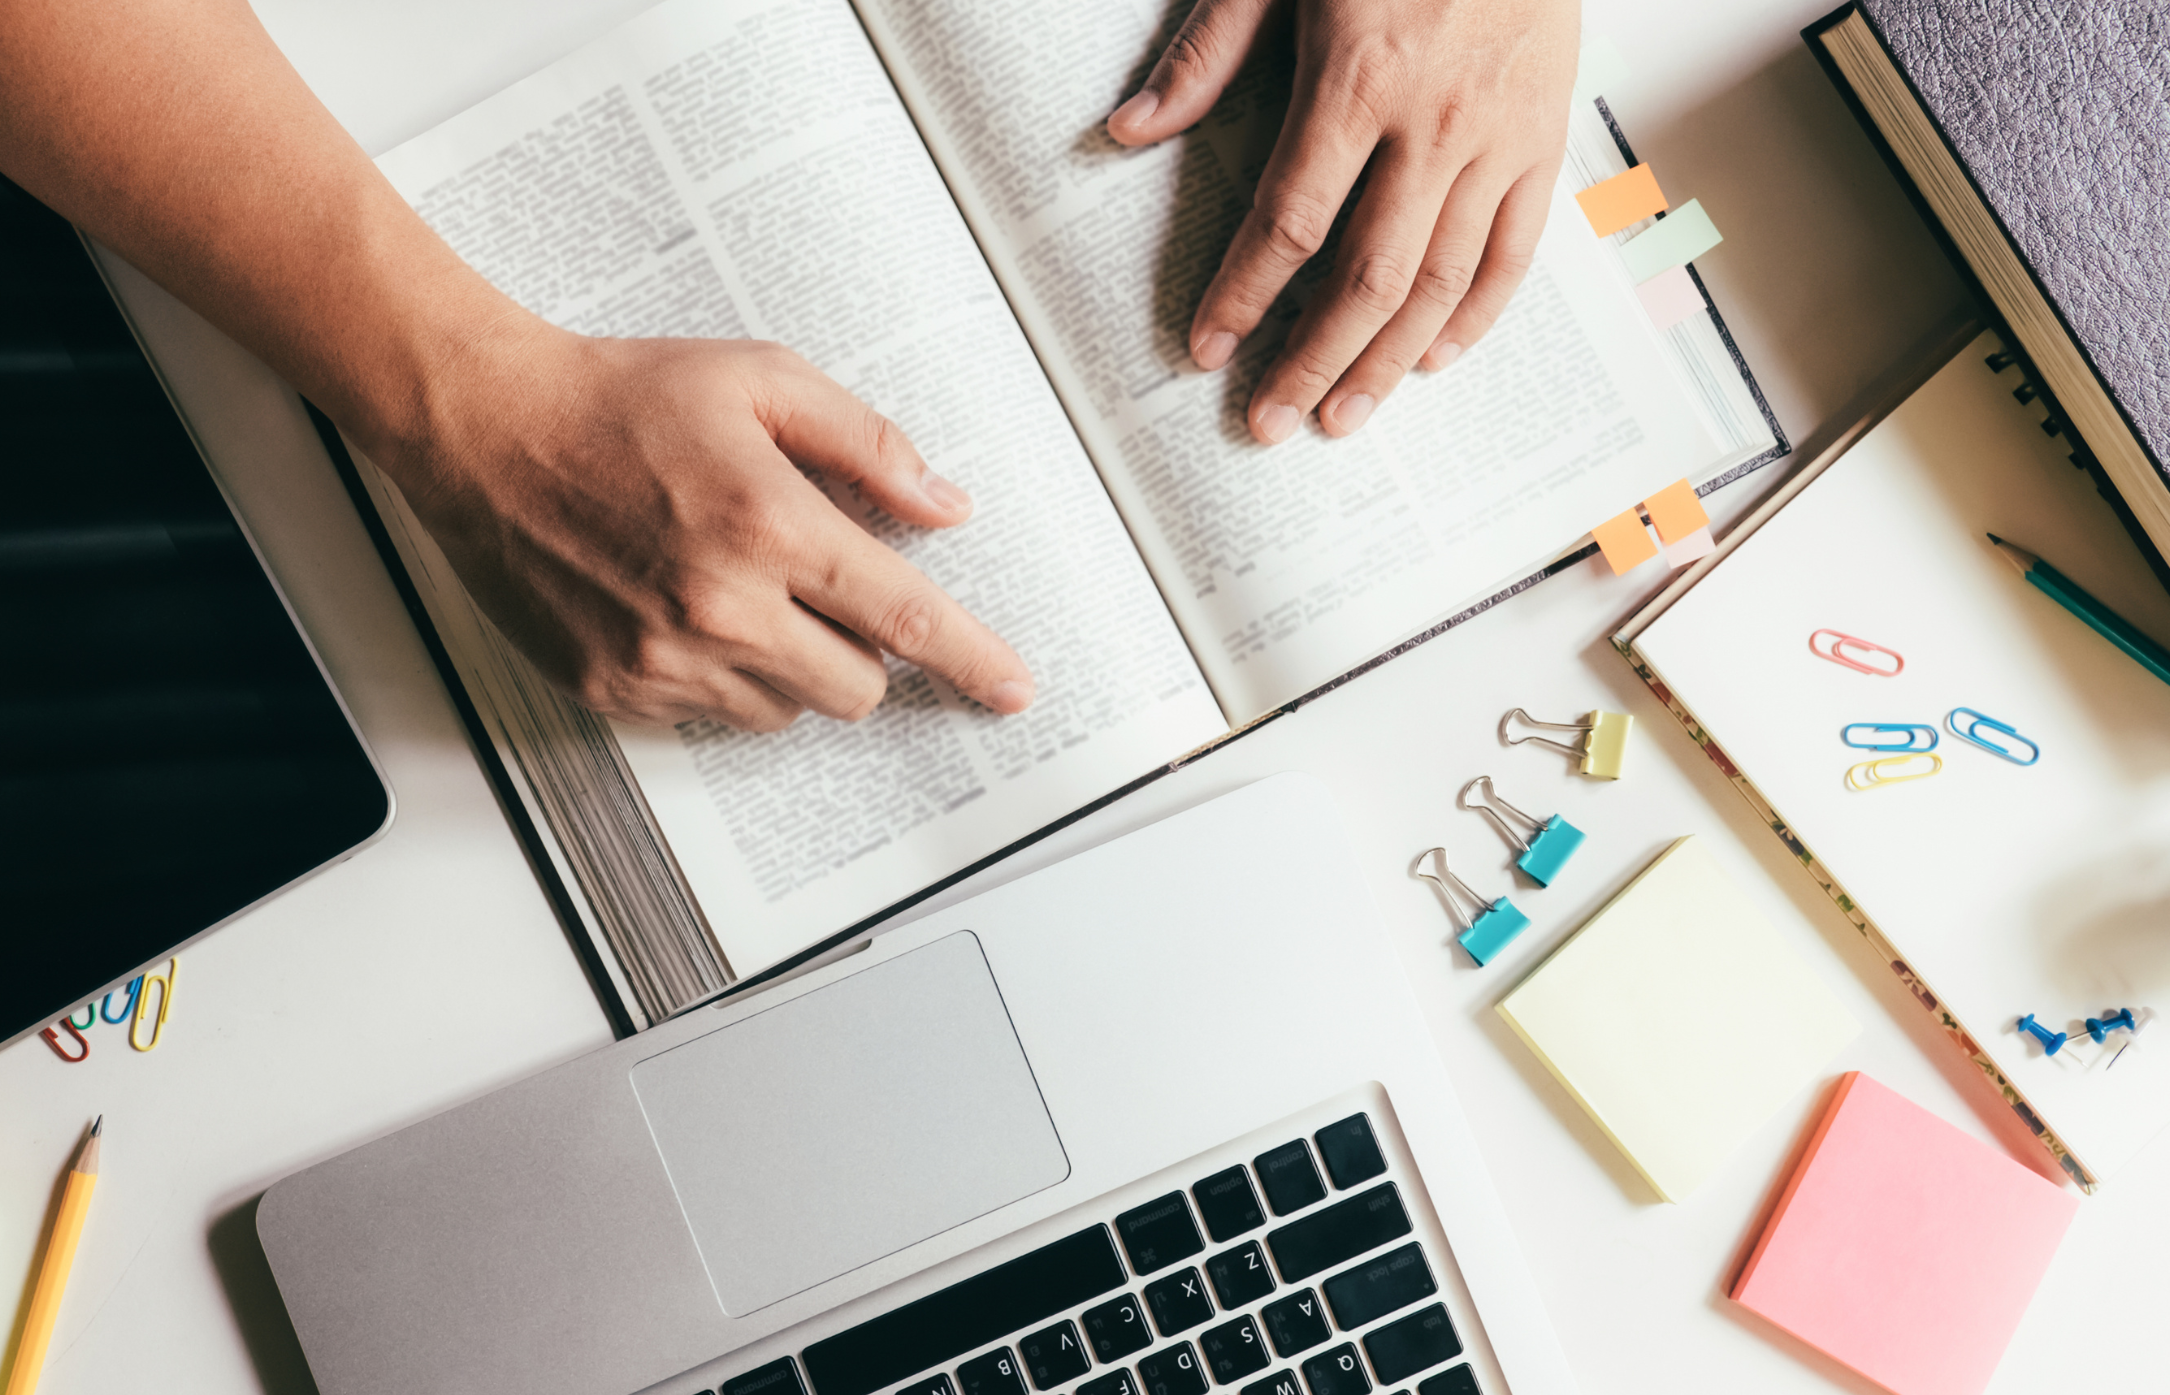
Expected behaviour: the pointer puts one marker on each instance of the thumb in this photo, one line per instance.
(817, 424)
(1190, 77)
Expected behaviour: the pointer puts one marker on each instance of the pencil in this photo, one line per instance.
(59, 1259)
(2106, 622)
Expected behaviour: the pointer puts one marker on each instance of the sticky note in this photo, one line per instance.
(1678, 1019)
(1692, 548)
(1674, 240)
(1623, 199)
(1624, 541)
(1902, 1247)
(1599, 69)
(1670, 297)
(1675, 511)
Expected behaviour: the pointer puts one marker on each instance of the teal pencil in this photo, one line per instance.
(2105, 621)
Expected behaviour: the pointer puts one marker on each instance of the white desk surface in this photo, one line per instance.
(429, 969)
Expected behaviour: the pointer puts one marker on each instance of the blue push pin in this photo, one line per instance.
(2052, 1042)
(1495, 923)
(1551, 842)
(2100, 1027)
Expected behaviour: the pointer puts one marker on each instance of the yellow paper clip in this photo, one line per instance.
(143, 1006)
(1890, 770)
(1604, 740)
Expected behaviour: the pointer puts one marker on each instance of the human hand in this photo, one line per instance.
(1459, 109)
(631, 514)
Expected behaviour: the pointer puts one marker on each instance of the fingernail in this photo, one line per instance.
(1443, 353)
(942, 494)
(1010, 695)
(1278, 422)
(1135, 110)
(1214, 350)
(1354, 410)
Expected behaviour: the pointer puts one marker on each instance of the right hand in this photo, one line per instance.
(632, 515)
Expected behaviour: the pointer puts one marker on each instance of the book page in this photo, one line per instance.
(745, 169)
(1286, 566)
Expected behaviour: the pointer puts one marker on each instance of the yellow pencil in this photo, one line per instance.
(59, 1259)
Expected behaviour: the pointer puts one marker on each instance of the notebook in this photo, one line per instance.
(1994, 890)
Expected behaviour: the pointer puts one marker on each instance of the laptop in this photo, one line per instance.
(1161, 1119)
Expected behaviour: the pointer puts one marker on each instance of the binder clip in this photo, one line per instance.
(1551, 842)
(1970, 731)
(1494, 925)
(2052, 1042)
(1602, 748)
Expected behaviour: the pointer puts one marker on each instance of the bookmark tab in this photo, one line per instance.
(1676, 511)
(1678, 238)
(1599, 70)
(1670, 297)
(1625, 541)
(1692, 548)
(1621, 200)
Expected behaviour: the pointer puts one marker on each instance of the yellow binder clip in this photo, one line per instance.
(1892, 770)
(1603, 746)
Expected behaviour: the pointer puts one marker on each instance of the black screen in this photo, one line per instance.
(169, 750)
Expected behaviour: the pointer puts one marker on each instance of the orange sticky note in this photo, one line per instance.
(1621, 200)
(1676, 511)
(1624, 541)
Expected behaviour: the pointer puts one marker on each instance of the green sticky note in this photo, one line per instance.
(1600, 70)
(1675, 240)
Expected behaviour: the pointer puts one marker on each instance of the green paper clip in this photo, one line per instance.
(1604, 740)
(1551, 841)
(1494, 925)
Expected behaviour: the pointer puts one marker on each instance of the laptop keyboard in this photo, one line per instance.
(1191, 1292)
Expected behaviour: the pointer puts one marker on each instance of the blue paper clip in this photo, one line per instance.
(1976, 722)
(1551, 842)
(1495, 923)
(2052, 1042)
(1914, 731)
(2100, 1027)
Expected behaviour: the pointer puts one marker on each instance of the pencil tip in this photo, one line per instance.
(98, 1126)
(1997, 540)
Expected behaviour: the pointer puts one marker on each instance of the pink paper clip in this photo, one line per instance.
(1837, 654)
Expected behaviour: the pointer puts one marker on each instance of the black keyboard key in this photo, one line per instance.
(1228, 1204)
(1240, 1275)
(778, 1377)
(1290, 1178)
(1380, 1286)
(935, 1330)
(1279, 1383)
(1054, 1356)
(1117, 1328)
(1351, 1153)
(1158, 1233)
(1172, 1371)
(1232, 1351)
(1336, 1372)
(1341, 1232)
(936, 1384)
(1415, 1343)
(1179, 1302)
(1113, 1383)
(1296, 1323)
(992, 1374)
(1462, 1380)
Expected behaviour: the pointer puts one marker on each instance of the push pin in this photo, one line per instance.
(1551, 842)
(1495, 923)
(2100, 1027)
(1603, 746)
(2052, 1042)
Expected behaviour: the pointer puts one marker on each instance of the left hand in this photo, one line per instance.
(1458, 108)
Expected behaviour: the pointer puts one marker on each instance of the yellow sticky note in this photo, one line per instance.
(1679, 1020)
(1621, 200)
(1624, 541)
(1676, 511)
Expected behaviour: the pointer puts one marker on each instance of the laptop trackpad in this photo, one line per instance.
(849, 1123)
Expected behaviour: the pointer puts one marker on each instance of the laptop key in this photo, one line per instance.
(992, 1374)
(1116, 1328)
(936, 1384)
(1462, 1380)
(1290, 1178)
(1179, 1302)
(778, 1377)
(1240, 1275)
(1232, 1351)
(1116, 1382)
(1341, 1232)
(1415, 1343)
(1172, 1371)
(1336, 1372)
(1296, 1323)
(1351, 1153)
(1279, 1383)
(1054, 1356)
(1379, 1286)
(1159, 1233)
(1228, 1204)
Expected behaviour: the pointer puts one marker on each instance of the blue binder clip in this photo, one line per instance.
(2052, 1042)
(1551, 842)
(1494, 925)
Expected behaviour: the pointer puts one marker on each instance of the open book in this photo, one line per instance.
(919, 197)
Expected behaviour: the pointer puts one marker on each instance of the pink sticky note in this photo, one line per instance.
(1692, 548)
(1670, 297)
(1904, 1248)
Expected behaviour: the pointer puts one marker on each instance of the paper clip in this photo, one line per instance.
(1915, 731)
(1551, 842)
(2052, 1042)
(105, 1009)
(1495, 923)
(1603, 746)
(143, 1006)
(1837, 654)
(1891, 770)
(1971, 732)
(52, 1039)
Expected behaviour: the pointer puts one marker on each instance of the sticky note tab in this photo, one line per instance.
(1623, 199)
(1675, 511)
(1671, 296)
(1624, 541)
(1903, 1248)
(1692, 548)
(1600, 70)
(1675, 240)
(1679, 1019)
